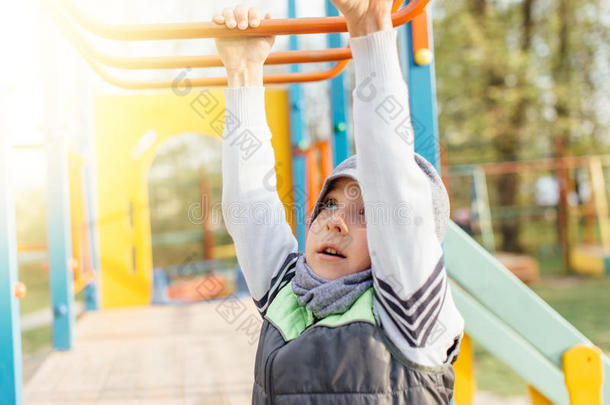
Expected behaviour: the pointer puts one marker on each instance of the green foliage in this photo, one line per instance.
(493, 375)
(521, 79)
(36, 339)
(176, 199)
(584, 302)
(490, 62)
(36, 280)
(31, 216)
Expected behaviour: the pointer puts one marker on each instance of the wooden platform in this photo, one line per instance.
(197, 354)
(523, 266)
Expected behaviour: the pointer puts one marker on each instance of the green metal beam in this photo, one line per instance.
(503, 294)
(505, 344)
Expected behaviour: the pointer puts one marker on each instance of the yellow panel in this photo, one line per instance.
(536, 397)
(582, 368)
(587, 260)
(224, 251)
(77, 216)
(279, 121)
(601, 202)
(129, 129)
(465, 383)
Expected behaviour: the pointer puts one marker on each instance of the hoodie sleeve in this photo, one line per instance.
(252, 210)
(413, 303)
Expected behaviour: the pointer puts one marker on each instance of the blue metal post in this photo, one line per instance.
(11, 373)
(341, 145)
(403, 49)
(299, 142)
(86, 138)
(59, 243)
(422, 88)
(58, 196)
(92, 290)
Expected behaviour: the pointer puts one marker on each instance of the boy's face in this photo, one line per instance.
(341, 226)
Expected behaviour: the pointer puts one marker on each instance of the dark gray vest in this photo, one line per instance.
(341, 359)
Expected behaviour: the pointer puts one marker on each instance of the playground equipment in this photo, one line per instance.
(128, 131)
(501, 313)
(523, 266)
(509, 320)
(10, 336)
(66, 15)
(316, 172)
(588, 257)
(585, 257)
(82, 261)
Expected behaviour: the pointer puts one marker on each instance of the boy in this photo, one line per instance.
(365, 315)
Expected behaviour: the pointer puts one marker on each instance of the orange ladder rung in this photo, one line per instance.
(67, 15)
(289, 26)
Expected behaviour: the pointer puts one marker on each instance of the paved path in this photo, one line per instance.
(44, 317)
(200, 354)
(197, 354)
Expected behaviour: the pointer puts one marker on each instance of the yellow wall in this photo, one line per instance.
(129, 128)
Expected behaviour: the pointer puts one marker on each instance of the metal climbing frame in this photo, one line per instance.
(499, 311)
(68, 18)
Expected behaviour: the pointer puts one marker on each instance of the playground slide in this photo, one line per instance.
(510, 320)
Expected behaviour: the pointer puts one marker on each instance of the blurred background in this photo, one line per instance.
(523, 95)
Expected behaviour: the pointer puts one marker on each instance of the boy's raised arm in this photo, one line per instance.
(413, 301)
(252, 211)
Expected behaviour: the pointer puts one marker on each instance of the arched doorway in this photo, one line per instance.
(129, 129)
(190, 244)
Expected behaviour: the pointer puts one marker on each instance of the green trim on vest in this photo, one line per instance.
(291, 318)
(287, 315)
(360, 311)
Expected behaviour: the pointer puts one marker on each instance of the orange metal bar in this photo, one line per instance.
(326, 160)
(82, 267)
(215, 81)
(76, 213)
(569, 162)
(73, 36)
(146, 32)
(419, 28)
(25, 247)
(312, 183)
(176, 62)
(207, 30)
(316, 174)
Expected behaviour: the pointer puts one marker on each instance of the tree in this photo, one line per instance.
(512, 76)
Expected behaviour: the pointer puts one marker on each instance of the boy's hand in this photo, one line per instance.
(243, 57)
(365, 16)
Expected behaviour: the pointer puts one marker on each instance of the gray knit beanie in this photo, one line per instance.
(440, 199)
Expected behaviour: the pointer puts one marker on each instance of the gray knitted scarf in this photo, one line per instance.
(326, 297)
